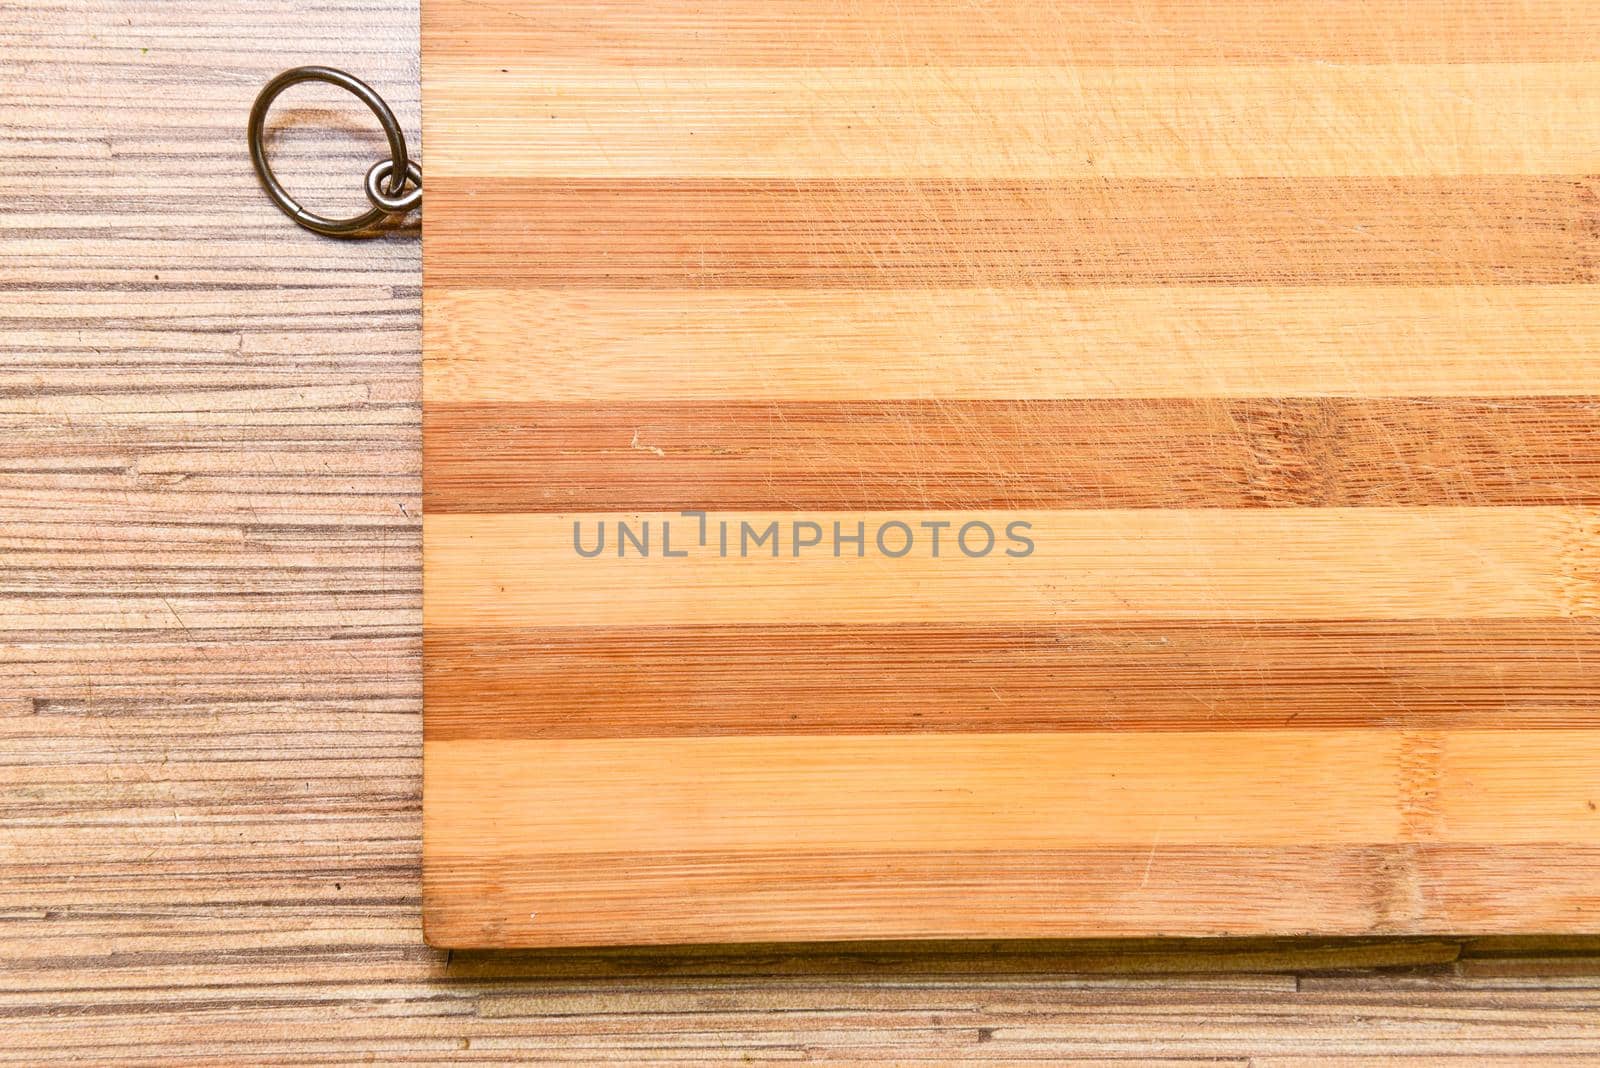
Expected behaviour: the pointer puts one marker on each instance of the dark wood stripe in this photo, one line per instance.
(1010, 32)
(1145, 453)
(619, 682)
(887, 233)
(562, 899)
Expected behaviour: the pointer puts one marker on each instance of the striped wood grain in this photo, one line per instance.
(1274, 325)
(1098, 32)
(1052, 122)
(210, 838)
(1043, 343)
(1445, 563)
(705, 679)
(950, 454)
(903, 233)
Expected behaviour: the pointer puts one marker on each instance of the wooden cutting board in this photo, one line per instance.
(1240, 356)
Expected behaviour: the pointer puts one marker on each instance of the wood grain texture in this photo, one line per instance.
(1255, 342)
(906, 233)
(1239, 565)
(1015, 119)
(1096, 32)
(660, 682)
(1045, 454)
(1044, 342)
(209, 839)
(691, 896)
(956, 794)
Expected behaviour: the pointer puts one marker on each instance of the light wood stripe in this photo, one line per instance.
(647, 682)
(500, 115)
(1334, 563)
(887, 793)
(877, 794)
(535, 898)
(1163, 453)
(499, 345)
(768, 33)
(839, 233)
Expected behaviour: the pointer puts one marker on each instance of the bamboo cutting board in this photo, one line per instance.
(1260, 338)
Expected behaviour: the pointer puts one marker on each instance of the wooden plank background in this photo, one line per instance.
(209, 674)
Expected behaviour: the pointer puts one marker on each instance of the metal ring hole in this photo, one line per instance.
(399, 164)
(403, 201)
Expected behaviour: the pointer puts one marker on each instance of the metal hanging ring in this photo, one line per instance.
(405, 201)
(400, 167)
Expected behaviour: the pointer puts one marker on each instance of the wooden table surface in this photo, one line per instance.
(209, 655)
